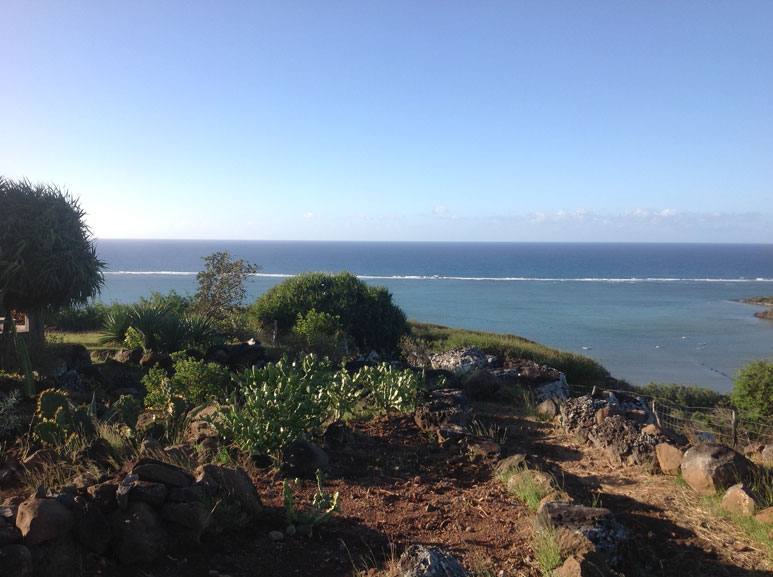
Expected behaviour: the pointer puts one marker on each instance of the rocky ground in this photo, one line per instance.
(427, 479)
(398, 486)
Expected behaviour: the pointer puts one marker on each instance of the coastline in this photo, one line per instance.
(766, 301)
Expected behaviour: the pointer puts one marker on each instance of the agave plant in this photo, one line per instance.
(161, 328)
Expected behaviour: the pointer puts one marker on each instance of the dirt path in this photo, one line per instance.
(673, 532)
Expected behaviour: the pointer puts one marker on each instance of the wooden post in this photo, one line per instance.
(655, 412)
(276, 330)
(734, 425)
(593, 392)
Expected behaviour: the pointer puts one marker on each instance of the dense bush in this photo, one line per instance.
(279, 404)
(753, 391)
(196, 381)
(367, 315)
(82, 318)
(692, 396)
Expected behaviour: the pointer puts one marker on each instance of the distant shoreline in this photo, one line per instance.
(766, 301)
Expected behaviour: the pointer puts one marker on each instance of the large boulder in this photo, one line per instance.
(624, 442)
(739, 501)
(302, 458)
(41, 520)
(442, 409)
(421, 561)
(155, 471)
(669, 458)
(139, 534)
(482, 385)
(461, 360)
(15, 561)
(230, 486)
(712, 467)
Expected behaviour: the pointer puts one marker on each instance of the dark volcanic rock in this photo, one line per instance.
(442, 409)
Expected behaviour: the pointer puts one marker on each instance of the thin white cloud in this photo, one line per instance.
(439, 209)
(308, 215)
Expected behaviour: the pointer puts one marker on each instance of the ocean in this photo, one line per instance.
(661, 313)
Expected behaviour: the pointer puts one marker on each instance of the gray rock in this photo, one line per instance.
(41, 520)
(463, 360)
(558, 389)
(9, 508)
(93, 526)
(711, 467)
(128, 356)
(15, 561)
(443, 408)
(155, 471)
(482, 385)
(56, 558)
(153, 494)
(8, 534)
(420, 561)
(230, 485)
(767, 454)
(191, 519)
(138, 534)
(581, 529)
(302, 458)
(624, 441)
(548, 407)
(104, 495)
(510, 463)
(187, 494)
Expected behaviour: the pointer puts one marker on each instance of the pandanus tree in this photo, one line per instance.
(47, 255)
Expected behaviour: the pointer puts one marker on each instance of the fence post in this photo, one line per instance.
(655, 412)
(593, 392)
(276, 329)
(734, 425)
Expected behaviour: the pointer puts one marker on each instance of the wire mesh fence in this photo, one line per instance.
(701, 423)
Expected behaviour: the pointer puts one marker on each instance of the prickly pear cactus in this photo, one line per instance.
(50, 401)
(49, 432)
(129, 409)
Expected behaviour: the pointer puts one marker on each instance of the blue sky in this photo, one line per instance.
(397, 120)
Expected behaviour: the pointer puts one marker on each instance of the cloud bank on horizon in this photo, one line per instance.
(397, 121)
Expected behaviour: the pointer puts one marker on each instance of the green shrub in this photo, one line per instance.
(320, 333)
(692, 396)
(753, 391)
(83, 318)
(389, 389)
(322, 507)
(195, 381)
(279, 404)
(367, 315)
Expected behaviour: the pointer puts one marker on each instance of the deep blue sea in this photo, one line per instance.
(647, 312)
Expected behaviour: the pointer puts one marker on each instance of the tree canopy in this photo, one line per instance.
(47, 256)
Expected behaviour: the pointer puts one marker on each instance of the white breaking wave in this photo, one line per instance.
(470, 278)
